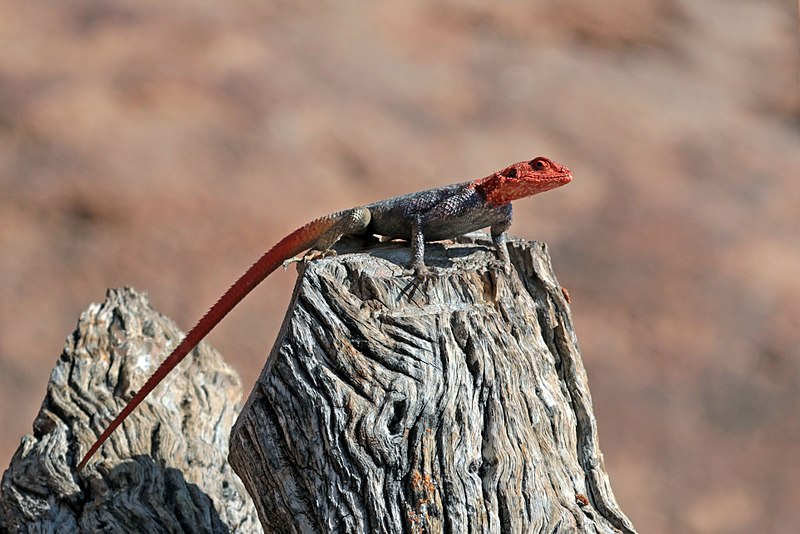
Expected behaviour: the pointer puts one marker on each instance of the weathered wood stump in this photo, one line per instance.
(164, 470)
(455, 403)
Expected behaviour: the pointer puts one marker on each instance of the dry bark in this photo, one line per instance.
(456, 403)
(164, 470)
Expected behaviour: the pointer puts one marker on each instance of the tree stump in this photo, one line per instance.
(455, 403)
(164, 470)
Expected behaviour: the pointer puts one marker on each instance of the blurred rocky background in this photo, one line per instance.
(166, 145)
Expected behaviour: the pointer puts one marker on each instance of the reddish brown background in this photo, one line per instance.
(165, 145)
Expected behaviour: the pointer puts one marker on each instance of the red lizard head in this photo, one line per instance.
(522, 179)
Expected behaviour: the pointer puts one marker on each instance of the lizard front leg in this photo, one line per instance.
(498, 231)
(417, 264)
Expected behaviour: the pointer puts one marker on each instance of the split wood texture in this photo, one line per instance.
(455, 403)
(164, 470)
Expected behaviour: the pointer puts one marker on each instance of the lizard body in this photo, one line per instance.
(434, 214)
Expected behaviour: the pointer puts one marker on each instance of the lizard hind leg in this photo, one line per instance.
(345, 222)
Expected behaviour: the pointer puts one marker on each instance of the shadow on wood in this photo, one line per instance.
(164, 470)
(454, 403)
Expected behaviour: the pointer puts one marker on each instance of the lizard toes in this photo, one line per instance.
(420, 271)
(318, 254)
(309, 256)
(506, 267)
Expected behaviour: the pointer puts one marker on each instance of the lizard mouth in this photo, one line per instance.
(555, 181)
(563, 178)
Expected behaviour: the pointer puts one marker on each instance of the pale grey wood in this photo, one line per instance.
(164, 470)
(456, 403)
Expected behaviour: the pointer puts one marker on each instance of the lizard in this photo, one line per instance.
(431, 215)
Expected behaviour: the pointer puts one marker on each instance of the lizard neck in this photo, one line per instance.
(497, 190)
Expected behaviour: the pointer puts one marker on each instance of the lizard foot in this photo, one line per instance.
(420, 271)
(421, 274)
(504, 266)
(309, 256)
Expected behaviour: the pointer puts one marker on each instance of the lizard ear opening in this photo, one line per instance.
(510, 173)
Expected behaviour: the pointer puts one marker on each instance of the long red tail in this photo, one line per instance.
(288, 247)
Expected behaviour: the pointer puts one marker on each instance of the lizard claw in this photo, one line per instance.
(422, 274)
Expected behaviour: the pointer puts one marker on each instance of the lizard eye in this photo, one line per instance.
(539, 164)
